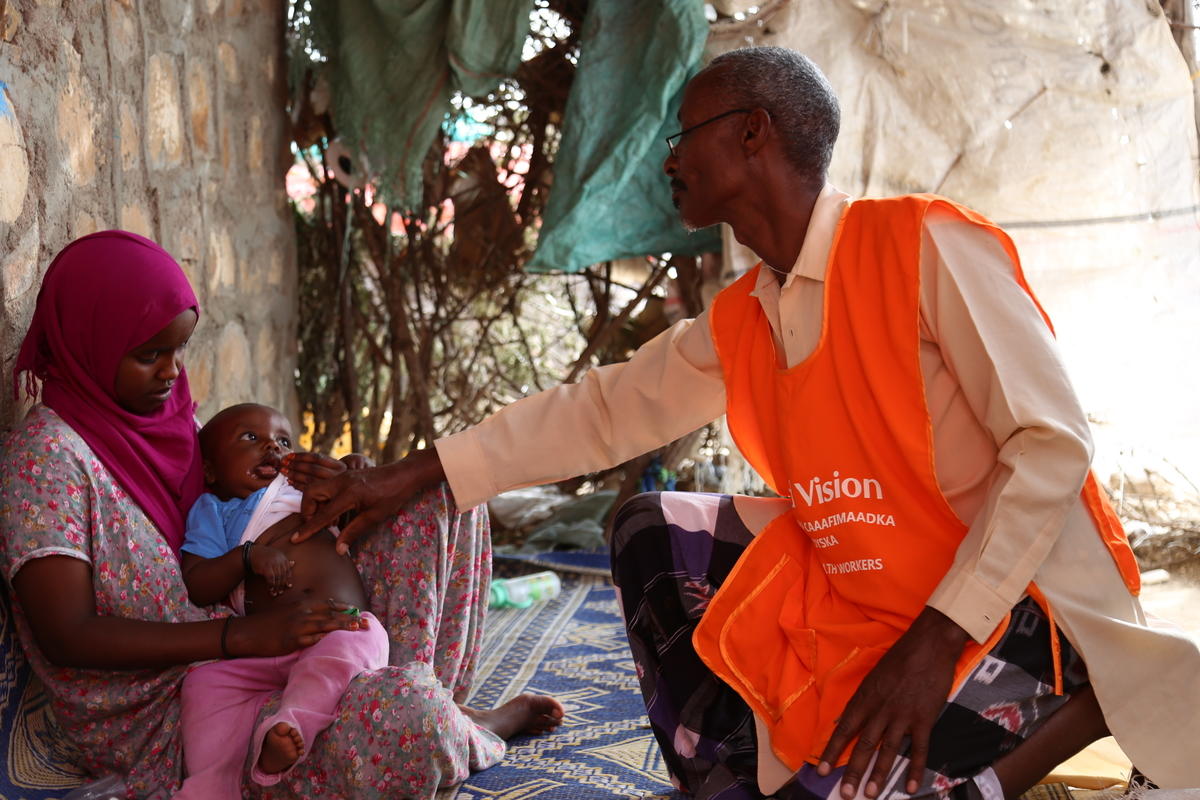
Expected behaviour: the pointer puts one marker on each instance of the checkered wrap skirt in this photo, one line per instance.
(673, 550)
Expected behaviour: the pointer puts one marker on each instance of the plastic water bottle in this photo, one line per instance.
(524, 591)
(110, 787)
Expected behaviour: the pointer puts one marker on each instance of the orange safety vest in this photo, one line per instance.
(823, 592)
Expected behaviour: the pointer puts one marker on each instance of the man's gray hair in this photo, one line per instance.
(797, 95)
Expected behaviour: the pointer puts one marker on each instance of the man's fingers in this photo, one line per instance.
(918, 755)
(888, 751)
(356, 528)
(847, 728)
(860, 758)
(320, 509)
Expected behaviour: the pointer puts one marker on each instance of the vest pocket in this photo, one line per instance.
(770, 664)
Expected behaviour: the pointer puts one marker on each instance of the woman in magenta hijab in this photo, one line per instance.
(95, 484)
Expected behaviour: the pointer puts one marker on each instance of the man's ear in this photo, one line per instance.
(756, 131)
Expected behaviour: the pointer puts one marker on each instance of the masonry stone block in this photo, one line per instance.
(14, 164)
(164, 119)
(229, 62)
(20, 271)
(222, 264)
(10, 22)
(135, 217)
(131, 138)
(83, 224)
(199, 366)
(232, 367)
(255, 155)
(199, 105)
(122, 27)
(275, 266)
(226, 147)
(266, 350)
(77, 131)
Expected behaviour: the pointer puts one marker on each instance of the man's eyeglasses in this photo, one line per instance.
(673, 140)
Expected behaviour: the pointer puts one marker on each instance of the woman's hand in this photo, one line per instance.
(288, 627)
(273, 566)
(375, 493)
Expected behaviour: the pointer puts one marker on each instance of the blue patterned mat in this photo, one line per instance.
(37, 762)
(573, 648)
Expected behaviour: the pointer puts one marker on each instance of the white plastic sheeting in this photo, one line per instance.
(1071, 123)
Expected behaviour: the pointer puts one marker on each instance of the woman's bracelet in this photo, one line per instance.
(224, 638)
(246, 568)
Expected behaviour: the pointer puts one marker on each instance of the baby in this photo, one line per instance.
(239, 534)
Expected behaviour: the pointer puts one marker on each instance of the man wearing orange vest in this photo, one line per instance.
(940, 601)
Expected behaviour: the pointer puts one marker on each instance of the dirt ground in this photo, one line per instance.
(1178, 598)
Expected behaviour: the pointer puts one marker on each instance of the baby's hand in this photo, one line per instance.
(272, 565)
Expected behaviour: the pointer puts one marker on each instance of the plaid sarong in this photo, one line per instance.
(673, 550)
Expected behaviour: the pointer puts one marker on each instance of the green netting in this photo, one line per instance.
(610, 197)
(394, 64)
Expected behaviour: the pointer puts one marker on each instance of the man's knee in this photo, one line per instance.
(638, 513)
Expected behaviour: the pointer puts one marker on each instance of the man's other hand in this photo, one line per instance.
(902, 696)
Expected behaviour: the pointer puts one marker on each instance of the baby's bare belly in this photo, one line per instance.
(319, 573)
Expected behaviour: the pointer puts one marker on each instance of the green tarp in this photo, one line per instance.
(396, 63)
(610, 198)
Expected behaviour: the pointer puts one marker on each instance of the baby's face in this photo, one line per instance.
(245, 451)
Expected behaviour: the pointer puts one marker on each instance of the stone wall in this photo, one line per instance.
(165, 118)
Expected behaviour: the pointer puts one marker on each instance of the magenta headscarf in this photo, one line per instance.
(102, 296)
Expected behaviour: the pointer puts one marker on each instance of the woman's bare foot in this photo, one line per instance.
(528, 714)
(281, 747)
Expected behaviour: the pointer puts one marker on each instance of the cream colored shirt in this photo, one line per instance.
(1011, 451)
(1011, 442)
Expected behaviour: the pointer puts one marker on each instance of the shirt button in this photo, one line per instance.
(791, 331)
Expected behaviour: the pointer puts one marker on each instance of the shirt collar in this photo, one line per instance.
(827, 211)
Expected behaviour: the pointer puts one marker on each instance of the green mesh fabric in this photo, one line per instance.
(610, 198)
(394, 64)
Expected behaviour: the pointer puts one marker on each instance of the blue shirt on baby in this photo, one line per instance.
(215, 526)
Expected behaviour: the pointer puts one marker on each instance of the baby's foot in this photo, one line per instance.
(525, 714)
(281, 747)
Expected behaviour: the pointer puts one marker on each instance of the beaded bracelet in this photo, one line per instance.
(224, 634)
(246, 568)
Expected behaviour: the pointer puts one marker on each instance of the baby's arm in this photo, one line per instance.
(210, 572)
(210, 580)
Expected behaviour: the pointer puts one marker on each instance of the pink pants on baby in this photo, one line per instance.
(221, 700)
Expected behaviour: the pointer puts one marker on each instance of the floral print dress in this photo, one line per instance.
(399, 732)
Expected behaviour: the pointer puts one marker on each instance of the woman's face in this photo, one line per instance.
(146, 373)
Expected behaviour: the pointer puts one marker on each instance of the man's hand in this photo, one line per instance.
(902, 696)
(272, 565)
(375, 493)
(357, 461)
(304, 469)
